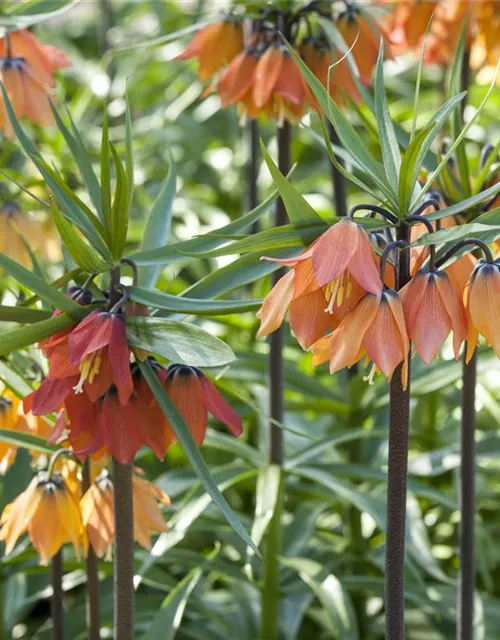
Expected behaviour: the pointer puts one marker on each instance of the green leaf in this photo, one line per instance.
(22, 314)
(297, 207)
(188, 444)
(24, 15)
(169, 37)
(413, 157)
(81, 252)
(106, 178)
(178, 252)
(341, 619)
(178, 342)
(418, 82)
(78, 151)
(25, 336)
(485, 232)
(27, 441)
(388, 141)
(34, 283)
(455, 86)
(266, 497)
(194, 306)
(433, 176)
(467, 204)
(13, 381)
(168, 619)
(158, 225)
(119, 209)
(350, 139)
(129, 153)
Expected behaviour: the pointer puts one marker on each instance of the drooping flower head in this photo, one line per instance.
(98, 515)
(27, 71)
(482, 301)
(432, 309)
(327, 281)
(214, 46)
(195, 396)
(49, 512)
(375, 329)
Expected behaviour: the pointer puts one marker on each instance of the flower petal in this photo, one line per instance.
(219, 408)
(93, 333)
(275, 304)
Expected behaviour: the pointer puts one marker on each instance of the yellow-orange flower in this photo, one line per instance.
(214, 46)
(98, 516)
(374, 329)
(18, 229)
(9, 419)
(49, 512)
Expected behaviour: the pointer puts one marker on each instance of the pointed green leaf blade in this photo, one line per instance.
(25, 336)
(158, 225)
(188, 444)
(297, 207)
(178, 342)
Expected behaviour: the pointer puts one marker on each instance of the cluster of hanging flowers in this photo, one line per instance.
(256, 71)
(408, 22)
(56, 509)
(343, 305)
(27, 69)
(103, 402)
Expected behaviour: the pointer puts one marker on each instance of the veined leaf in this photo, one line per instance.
(22, 314)
(485, 232)
(468, 203)
(414, 156)
(158, 225)
(119, 208)
(178, 342)
(25, 336)
(297, 207)
(266, 497)
(27, 441)
(33, 282)
(78, 151)
(188, 444)
(455, 86)
(178, 252)
(388, 141)
(81, 252)
(193, 306)
(352, 142)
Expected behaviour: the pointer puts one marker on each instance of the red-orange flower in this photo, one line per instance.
(432, 309)
(214, 46)
(408, 23)
(482, 298)
(376, 329)
(264, 79)
(338, 78)
(355, 28)
(195, 396)
(327, 281)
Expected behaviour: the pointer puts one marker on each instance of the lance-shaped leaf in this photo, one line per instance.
(120, 208)
(467, 204)
(23, 15)
(352, 142)
(178, 342)
(129, 152)
(158, 225)
(390, 148)
(22, 314)
(81, 252)
(413, 157)
(26, 441)
(188, 444)
(297, 207)
(26, 336)
(193, 306)
(177, 252)
(33, 282)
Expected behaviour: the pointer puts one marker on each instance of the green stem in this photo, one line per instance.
(124, 597)
(271, 590)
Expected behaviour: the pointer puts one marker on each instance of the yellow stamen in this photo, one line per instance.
(369, 378)
(89, 369)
